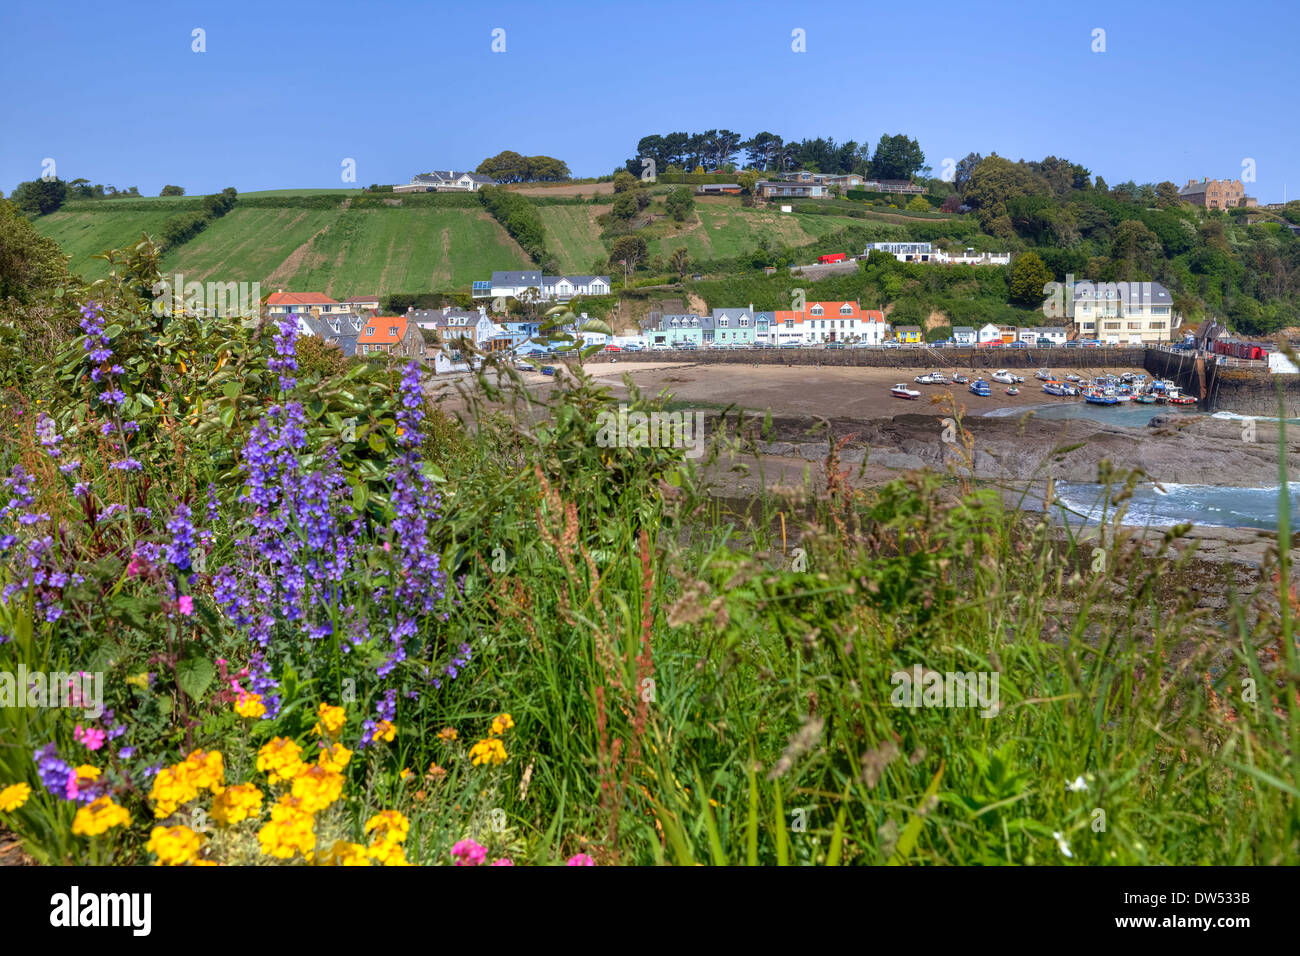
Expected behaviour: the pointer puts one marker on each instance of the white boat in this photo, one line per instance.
(929, 378)
(902, 391)
(1006, 378)
(1060, 389)
(1043, 375)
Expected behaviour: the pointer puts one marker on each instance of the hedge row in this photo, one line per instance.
(520, 218)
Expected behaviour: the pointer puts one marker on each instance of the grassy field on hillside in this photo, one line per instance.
(248, 245)
(83, 233)
(721, 231)
(378, 251)
(573, 235)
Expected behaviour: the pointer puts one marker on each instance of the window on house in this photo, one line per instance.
(846, 309)
(370, 330)
(392, 330)
(789, 323)
(816, 310)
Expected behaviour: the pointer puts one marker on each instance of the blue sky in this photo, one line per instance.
(286, 91)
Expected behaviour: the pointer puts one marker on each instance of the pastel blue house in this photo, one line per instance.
(678, 330)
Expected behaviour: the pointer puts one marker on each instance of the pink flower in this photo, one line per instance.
(581, 860)
(91, 737)
(187, 605)
(137, 566)
(504, 861)
(469, 853)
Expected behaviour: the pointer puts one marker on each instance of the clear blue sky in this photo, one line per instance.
(286, 90)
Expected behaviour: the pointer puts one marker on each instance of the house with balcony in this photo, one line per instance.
(446, 181)
(821, 322)
(1124, 313)
(777, 189)
(530, 284)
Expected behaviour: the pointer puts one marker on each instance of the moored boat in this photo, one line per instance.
(902, 391)
(981, 388)
(1012, 390)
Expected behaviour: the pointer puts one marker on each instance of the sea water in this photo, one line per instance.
(1171, 504)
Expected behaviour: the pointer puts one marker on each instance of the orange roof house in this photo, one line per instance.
(392, 334)
(315, 303)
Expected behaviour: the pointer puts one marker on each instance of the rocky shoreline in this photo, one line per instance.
(1176, 449)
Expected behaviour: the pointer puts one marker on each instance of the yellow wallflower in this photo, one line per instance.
(207, 770)
(172, 786)
(251, 706)
(388, 853)
(94, 818)
(317, 787)
(173, 846)
(237, 803)
(290, 831)
(332, 720)
(334, 757)
(448, 734)
(343, 853)
(14, 796)
(86, 775)
(501, 724)
(406, 773)
(280, 759)
(490, 751)
(390, 825)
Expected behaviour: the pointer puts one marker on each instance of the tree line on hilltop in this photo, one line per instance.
(895, 157)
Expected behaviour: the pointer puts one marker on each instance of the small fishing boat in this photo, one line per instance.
(1043, 374)
(1012, 390)
(1007, 378)
(1060, 389)
(1073, 378)
(959, 379)
(929, 378)
(1146, 398)
(981, 388)
(902, 391)
(1181, 400)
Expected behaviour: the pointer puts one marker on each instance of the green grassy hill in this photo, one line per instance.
(327, 241)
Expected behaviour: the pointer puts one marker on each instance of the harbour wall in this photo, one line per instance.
(903, 358)
(1224, 387)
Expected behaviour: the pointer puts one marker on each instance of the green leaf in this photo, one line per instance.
(194, 675)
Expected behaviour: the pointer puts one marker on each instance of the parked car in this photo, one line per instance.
(893, 345)
(632, 348)
(525, 366)
(1072, 344)
(791, 345)
(1018, 345)
(613, 348)
(835, 345)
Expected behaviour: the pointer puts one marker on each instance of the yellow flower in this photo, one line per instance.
(448, 734)
(280, 759)
(94, 818)
(237, 803)
(251, 706)
(406, 773)
(389, 824)
(317, 787)
(334, 757)
(173, 846)
(388, 853)
(384, 730)
(501, 724)
(343, 853)
(488, 751)
(290, 830)
(207, 770)
(332, 720)
(172, 786)
(86, 775)
(14, 796)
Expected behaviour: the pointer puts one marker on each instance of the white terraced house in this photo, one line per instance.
(820, 322)
(1124, 313)
(520, 284)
